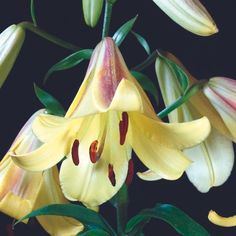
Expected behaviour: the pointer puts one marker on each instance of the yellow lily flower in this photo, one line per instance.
(190, 14)
(222, 221)
(23, 191)
(109, 116)
(213, 159)
(11, 40)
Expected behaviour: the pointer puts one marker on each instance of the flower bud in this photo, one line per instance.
(190, 14)
(11, 40)
(92, 10)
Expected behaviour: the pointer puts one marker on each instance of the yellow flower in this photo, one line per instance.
(222, 221)
(109, 116)
(11, 40)
(190, 14)
(23, 191)
(213, 159)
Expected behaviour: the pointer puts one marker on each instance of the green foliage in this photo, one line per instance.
(172, 215)
(143, 42)
(70, 61)
(123, 31)
(146, 83)
(91, 219)
(51, 104)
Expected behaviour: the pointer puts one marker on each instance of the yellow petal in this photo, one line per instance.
(11, 41)
(149, 175)
(44, 157)
(212, 162)
(163, 158)
(18, 189)
(50, 193)
(89, 182)
(221, 221)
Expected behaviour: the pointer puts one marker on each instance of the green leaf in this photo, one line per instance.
(142, 41)
(146, 84)
(32, 12)
(189, 92)
(93, 232)
(172, 215)
(89, 218)
(70, 61)
(51, 104)
(179, 72)
(122, 32)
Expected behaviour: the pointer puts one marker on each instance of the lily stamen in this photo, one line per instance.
(75, 152)
(130, 173)
(123, 126)
(93, 152)
(111, 175)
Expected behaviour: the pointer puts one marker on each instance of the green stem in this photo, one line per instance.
(35, 29)
(107, 18)
(192, 90)
(147, 62)
(32, 12)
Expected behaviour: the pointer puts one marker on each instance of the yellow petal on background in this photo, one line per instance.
(222, 221)
(11, 41)
(212, 162)
(149, 175)
(50, 193)
(18, 189)
(174, 135)
(190, 14)
(47, 127)
(202, 105)
(167, 162)
(89, 182)
(44, 157)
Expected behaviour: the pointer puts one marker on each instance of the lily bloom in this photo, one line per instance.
(212, 159)
(190, 14)
(221, 92)
(23, 191)
(109, 116)
(11, 40)
(222, 221)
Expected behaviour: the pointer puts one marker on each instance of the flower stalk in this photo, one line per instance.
(107, 18)
(53, 39)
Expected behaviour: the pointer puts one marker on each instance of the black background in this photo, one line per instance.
(203, 56)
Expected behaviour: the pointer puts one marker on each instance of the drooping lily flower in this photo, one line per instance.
(213, 159)
(23, 191)
(221, 92)
(190, 14)
(11, 40)
(110, 115)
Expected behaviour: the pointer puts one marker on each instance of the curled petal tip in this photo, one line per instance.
(221, 221)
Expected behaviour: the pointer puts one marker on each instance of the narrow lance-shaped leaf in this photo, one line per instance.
(143, 42)
(172, 215)
(146, 84)
(70, 61)
(89, 218)
(122, 32)
(51, 104)
(187, 94)
(32, 12)
(92, 232)
(181, 76)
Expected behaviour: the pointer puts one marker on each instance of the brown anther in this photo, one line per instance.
(111, 175)
(75, 152)
(93, 151)
(123, 126)
(130, 173)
